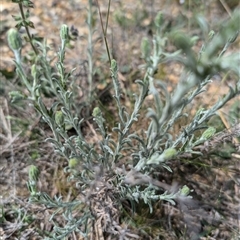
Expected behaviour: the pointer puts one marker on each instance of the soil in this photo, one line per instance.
(213, 212)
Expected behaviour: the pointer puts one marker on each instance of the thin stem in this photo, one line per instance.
(90, 50)
(26, 27)
(105, 31)
(109, 4)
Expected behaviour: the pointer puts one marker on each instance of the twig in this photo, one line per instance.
(7, 125)
(105, 30)
(226, 7)
(235, 140)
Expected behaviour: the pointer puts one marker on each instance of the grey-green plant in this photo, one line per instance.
(114, 169)
(23, 19)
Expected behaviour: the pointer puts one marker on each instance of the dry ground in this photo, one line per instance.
(215, 179)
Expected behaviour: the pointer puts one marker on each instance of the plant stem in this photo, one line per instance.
(27, 30)
(105, 31)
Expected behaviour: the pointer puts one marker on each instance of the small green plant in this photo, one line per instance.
(112, 170)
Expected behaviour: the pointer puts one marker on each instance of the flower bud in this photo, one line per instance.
(211, 34)
(64, 32)
(185, 190)
(208, 133)
(169, 153)
(59, 118)
(158, 20)
(114, 67)
(33, 173)
(14, 39)
(166, 155)
(72, 163)
(96, 112)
